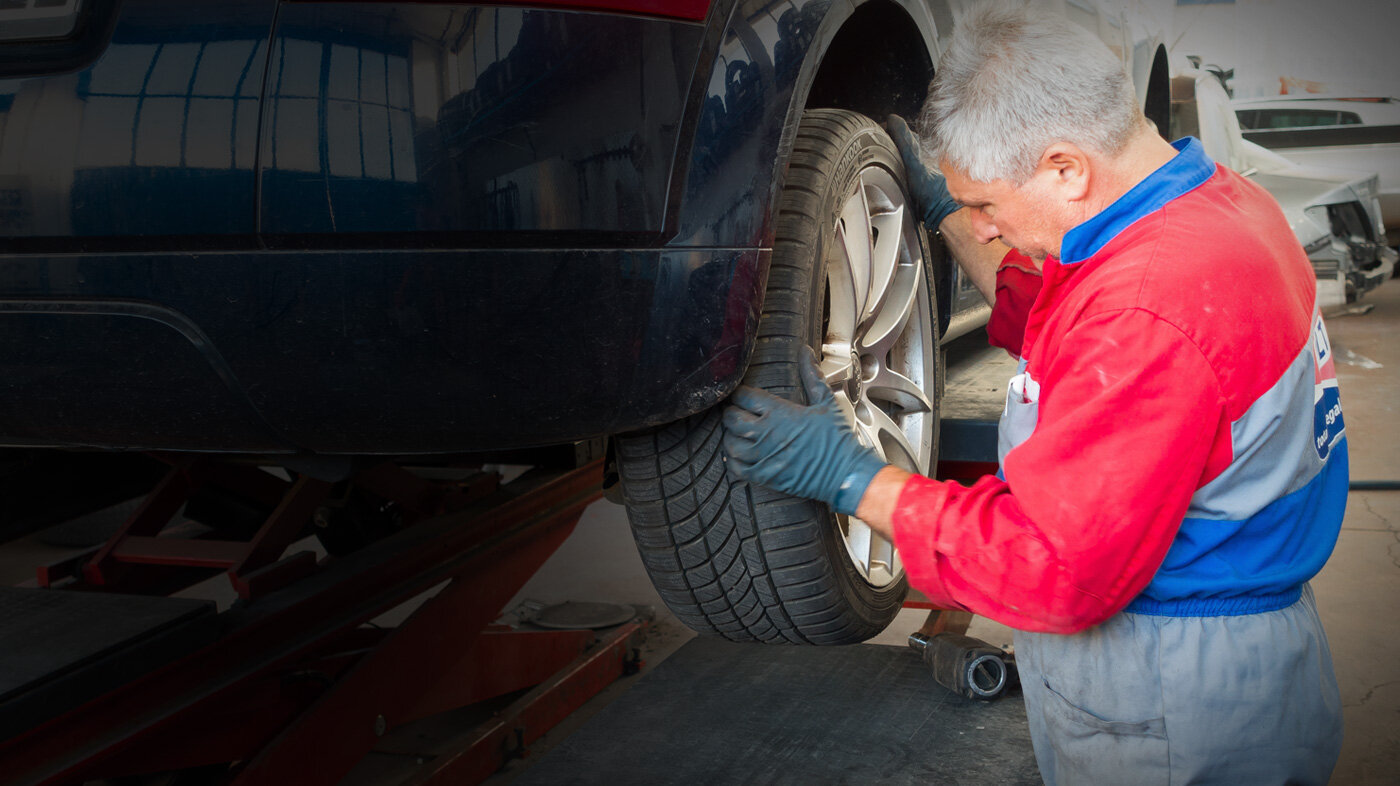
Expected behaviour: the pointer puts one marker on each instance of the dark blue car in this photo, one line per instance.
(291, 229)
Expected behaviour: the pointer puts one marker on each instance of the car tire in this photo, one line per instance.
(745, 562)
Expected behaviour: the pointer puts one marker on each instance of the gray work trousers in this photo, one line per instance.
(1143, 699)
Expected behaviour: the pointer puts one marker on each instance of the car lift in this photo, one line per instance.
(119, 677)
(293, 664)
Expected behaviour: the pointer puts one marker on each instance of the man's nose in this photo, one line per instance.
(983, 227)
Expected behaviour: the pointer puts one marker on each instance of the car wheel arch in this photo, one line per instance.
(796, 89)
(911, 29)
(820, 78)
(826, 77)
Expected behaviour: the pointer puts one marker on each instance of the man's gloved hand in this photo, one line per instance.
(927, 186)
(807, 452)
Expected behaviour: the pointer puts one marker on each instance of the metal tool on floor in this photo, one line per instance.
(966, 666)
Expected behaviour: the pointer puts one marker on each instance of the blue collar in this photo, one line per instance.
(1189, 168)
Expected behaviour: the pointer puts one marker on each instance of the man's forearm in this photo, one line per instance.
(880, 499)
(979, 260)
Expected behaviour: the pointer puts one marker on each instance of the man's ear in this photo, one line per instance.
(1066, 168)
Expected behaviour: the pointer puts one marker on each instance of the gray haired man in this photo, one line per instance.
(1173, 453)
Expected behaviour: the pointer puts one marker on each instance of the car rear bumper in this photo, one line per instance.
(359, 352)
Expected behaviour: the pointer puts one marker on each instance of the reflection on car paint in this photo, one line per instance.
(44, 19)
(157, 137)
(472, 119)
(755, 68)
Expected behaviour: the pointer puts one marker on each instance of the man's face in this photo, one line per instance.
(1025, 217)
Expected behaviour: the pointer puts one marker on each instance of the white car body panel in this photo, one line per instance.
(1346, 266)
(1379, 120)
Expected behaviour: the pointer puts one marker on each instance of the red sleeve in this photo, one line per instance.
(1018, 284)
(1128, 413)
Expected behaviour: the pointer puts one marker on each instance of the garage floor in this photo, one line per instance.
(1358, 591)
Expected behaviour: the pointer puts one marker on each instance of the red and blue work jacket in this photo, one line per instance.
(1173, 443)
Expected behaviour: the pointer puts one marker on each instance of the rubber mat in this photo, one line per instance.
(716, 712)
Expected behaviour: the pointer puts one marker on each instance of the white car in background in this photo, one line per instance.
(1360, 134)
(1335, 213)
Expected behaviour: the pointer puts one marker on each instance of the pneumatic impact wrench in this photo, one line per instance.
(966, 666)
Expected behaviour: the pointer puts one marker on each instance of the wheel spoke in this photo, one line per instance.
(842, 289)
(903, 392)
(884, 261)
(890, 439)
(860, 538)
(879, 338)
(843, 402)
(882, 554)
(836, 366)
(855, 219)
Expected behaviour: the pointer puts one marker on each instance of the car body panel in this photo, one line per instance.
(404, 228)
(1358, 135)
(675, 323)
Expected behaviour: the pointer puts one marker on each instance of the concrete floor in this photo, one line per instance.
(1358, 591)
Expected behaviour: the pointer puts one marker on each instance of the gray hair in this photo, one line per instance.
(1015, 80)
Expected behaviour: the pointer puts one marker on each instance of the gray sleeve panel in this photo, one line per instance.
(1272, 448)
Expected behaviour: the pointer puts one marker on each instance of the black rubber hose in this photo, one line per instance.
(1375, 485)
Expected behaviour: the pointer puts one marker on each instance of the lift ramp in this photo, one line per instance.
(973, 396)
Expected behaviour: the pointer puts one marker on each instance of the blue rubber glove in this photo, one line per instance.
(807, 452)
(927, 186)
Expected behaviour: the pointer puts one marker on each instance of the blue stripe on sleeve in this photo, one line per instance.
(1240, 567)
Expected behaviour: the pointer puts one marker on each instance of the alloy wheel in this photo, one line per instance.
(879, 345)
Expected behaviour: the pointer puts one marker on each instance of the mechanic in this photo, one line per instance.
(1173, 461)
